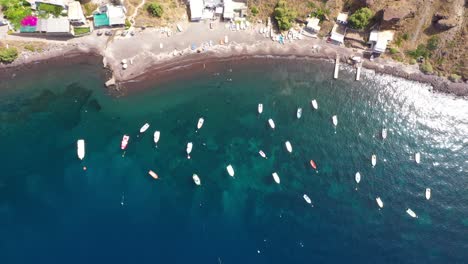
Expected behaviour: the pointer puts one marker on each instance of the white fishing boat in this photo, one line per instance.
(124, 143)
(314, 104)
(335, 120)
(428, 193)
(262, 154)
(272, 123)
(230, 170)
(357, 177)
(189, 149)
(288, 146)
(157, 134)
(384, 133)
(196, 179)
(260, 108)
(307, 199)
(417, 157)
(80, 144)
(299, 113)
(374, 160)
(411, 213)
(200, 123)
(153, 174)
(379, 202)
(276, 177)
(144, 128)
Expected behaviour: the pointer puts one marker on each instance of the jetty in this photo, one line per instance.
(337, 66)
(358, 71)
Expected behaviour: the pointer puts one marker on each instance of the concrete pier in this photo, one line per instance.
(358, 71)
(337, 66)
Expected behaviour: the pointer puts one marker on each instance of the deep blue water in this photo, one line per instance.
(51, 211)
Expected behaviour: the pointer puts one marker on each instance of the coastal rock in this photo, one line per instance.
(394, 14)
(446, 24)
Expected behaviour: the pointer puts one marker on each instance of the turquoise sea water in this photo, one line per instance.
(51, 211)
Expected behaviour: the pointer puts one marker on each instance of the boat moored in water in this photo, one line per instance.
(411, 213)
(200, 123)
(314, 104)
(335, 120)
(288, 146)
(271, 123)
(156, 136)
(80, 145)
(230, 170)
(153, 174)
(189, 149)
(384, 133)
(417, 157)
(379, 202)
(196, 179)
(374, 160)
(307, 199)
(124, 143)
(357, 177)
(262, 154)
(428, 193)
(144, 128)
(299, 113)
(276, 177)
(313, 165)
(260, 108)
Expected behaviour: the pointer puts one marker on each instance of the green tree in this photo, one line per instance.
(50, 9)
(155, 9)
(420, 51)
(254, 10)
(426, 67)
(8, 55)
(433, 43)
(284, 16)
(361, 18)
(15, 11)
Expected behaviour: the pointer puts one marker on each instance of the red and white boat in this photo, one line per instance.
(124, 143)
(312, 163)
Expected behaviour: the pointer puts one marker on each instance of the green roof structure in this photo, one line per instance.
(101, 20)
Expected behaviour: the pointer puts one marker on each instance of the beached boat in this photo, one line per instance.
(312, 163)
(260, 108)
(153, 174)
(276, 177)
(428, 193)
(144, 128)
(200, 123)
(288, 146)
(189, 149)
(230, 170)
(262, 154)
(335, 120)
(384, 133)
(314, 104)
(417, 157)
(299, 113)
(272, 123)
(307, 199)
(157, 134)
(411, 213)
(80, 145)
(196, 179)
(379, 202)
(357, 177)
(374, 160)
(124, 143)
(226, 40)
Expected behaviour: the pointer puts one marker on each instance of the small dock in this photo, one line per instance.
(337, 66)
(358, 71)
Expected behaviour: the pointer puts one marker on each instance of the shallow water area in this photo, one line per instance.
(114, 211)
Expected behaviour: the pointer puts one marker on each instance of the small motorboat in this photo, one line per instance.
(411, 213)
(288, 146)
(272, 123)
(384, 133)
(157, 134)
(314, 104)
(196, 179)
(357, 177)
(262, 154)
(200, 123)
(189, 149)
(80, 144)
(335, 120)
(307, 199)
(260, 108)
(379, 202)
(226, 40)
(312, 163)
(124, 143)
(230, 170)
(276, 177)
(428, 193)
(374, 160)
(417, 157)
(144, 128)
(153, 174)
(299, 113)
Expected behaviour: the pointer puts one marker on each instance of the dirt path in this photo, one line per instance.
(132, 17)
(422, 22)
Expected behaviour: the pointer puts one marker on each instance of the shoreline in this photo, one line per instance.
(167, 66)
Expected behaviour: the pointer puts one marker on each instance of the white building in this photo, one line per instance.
(75, 13)
(337, 34)
(116, 15)
(196, 10)
(379, 40)
(313, 24)
(342, 18)
(231, 7)
(54, 26)
(35, 3)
